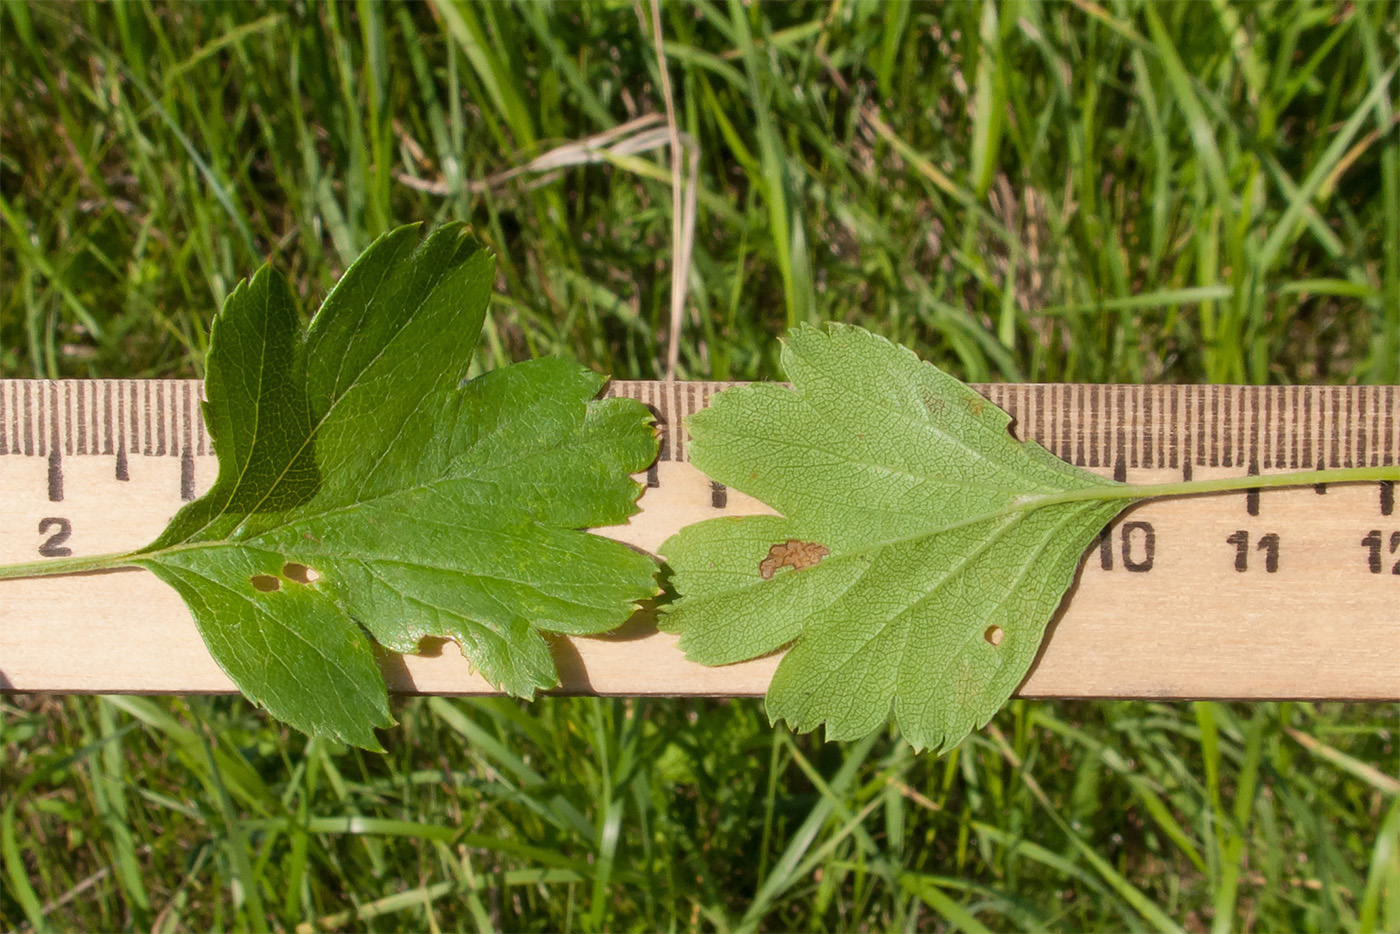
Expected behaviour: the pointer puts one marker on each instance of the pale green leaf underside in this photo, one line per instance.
(936, 589)
(423, 505)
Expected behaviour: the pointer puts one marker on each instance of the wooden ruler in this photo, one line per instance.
(1281, 594)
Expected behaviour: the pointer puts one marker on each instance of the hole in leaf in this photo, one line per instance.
(265, 583)
(993, 635)
(300, 573)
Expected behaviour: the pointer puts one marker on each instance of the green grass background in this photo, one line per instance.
(1021, 191)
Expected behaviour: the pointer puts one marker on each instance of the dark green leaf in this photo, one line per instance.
(363, 488)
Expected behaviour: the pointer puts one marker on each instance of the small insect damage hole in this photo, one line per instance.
(791, 553)
(265, 583)
(299, 573)
(993, 635)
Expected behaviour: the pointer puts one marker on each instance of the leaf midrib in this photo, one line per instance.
(1011, 508)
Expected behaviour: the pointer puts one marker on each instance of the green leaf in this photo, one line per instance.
(920, 551)
(365, 490)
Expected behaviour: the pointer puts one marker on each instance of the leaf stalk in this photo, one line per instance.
(1389, 472)
(79, 564)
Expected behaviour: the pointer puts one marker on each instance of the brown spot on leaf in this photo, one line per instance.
(265, 583)
(791, 553)
(933, 403)
(300, 573)
(976, 405)
(993, 635)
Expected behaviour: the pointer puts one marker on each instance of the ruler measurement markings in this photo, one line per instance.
(156, 403)
(1070, 436)
(94, 416)
(1227, 432)
(42, 420)
(1232, 418)
(1038, 408)
(1097, 440)
(1253, 427)
(80, 403)
(87, 405)
(1103, 430)
(151, 420)
(1255, 412)
(1120, 432)
(1390, 432)
(1372, 408)
(1152, 409)
(1211, 430)
(1189, 445)
(55, 448)
(161, 426)
(1330, 422)
(1361, 435)
(1336, 450)
(186, 449)
(1374, 443)
(1270, 444)
(1166, 427)
(1198, 418)
(28, 425)
(1093, 431)
(165, 445)
(1140, 431)
(1353, 441)
(1303, 430)
(1301, 450)
(131, 436)
(1060, 406)
(1288, 428)
(1243, 450)
(70, 404)
(1174, 436)
(200, 431)
(101, 416)
(21, 420)
(1378, 405)
(1076, 430)
(1143, 404)
(143, 433)
(1257, 419)
(1186, 431)
(1348, 444)
(677, 406)
(123, 472)
(1249, 432)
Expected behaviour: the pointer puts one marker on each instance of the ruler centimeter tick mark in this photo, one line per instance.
(1285, 593)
